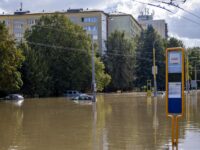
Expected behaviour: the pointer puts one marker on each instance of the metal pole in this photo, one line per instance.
(154, 70)
(187, 83)
(195, 72)
(93, 72)
(196, 75)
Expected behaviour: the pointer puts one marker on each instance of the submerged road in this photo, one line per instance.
(116, 122)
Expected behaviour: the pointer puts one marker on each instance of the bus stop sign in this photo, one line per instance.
(174, 81)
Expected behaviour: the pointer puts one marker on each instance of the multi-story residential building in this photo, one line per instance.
(94, 22)
(124, 22)
(159, 25)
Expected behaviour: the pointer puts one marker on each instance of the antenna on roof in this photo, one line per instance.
(21, 6)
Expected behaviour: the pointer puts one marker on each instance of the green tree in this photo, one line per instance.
(120, 61)
(62, 52)
(35, 73)
(144, 58)
(11, 59)
(173, 42)
(194, 62)
(102, 78)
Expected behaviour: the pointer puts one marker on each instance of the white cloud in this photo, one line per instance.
(188, 42)
(2, 11)
(182, 27)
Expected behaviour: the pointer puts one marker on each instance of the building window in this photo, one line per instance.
(89, 19)
(31, 21)
(74, 19)
(90, 28)
(6, 22)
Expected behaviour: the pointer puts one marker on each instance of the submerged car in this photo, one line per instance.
(71, 93)
(83, 97)
(14, 97)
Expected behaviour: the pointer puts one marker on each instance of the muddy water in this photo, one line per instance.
(116, 122)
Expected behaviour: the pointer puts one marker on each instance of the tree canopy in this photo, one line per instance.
(144, 58)
(120, 61)
(11, 59)
(59, 58)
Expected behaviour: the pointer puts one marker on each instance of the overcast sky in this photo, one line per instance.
(180, 23)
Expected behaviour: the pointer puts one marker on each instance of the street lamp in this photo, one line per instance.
(154, 71)
(93, 71)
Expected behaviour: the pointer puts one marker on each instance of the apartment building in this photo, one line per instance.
(125, 23)
(94, 22)
(159, 25)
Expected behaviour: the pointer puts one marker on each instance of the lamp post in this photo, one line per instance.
(154, 69)
(93, 72)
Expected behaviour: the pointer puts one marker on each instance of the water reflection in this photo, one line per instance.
(11, 119)
(115, 122)
(155, 120)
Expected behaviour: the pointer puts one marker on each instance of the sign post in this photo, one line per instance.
(174, 87)
(148, 88)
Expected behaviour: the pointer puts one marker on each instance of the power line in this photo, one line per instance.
(177, 6)
(161, 7)
(82, 50)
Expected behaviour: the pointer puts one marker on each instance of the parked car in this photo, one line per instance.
(14, 97)
(83, 97)
(71, 93)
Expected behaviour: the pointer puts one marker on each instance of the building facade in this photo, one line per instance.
(125, 23)
(159, 25)
(97, 23)
(94, 22)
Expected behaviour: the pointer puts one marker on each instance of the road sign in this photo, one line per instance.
(174, 87)
(193, 84)
(156, 70)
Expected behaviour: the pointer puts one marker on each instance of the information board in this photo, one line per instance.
(175, 62)
(174, 81)
(174, 90)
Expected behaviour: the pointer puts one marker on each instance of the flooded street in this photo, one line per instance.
(116, 122)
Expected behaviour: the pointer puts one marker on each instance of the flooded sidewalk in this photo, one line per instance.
(123, 121)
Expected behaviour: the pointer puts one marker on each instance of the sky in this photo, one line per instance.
(181, 24)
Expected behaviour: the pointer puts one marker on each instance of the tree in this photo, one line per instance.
(173, 42)
(102, 78)
(62, 52)
(11, 59)
(35, 73)
(144, 58)
(194, 62)
(120, 61)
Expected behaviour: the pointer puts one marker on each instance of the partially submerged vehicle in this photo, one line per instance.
(14, 97)
(83, 97)
(72, 93)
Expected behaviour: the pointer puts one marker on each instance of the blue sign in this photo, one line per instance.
(174, 62)
(175, 72)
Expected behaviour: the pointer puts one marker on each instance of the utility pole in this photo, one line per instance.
(195, 72)
(93, 72)
(187, 75)
(154, 69)
(196, 75)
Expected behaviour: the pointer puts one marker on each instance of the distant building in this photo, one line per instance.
(124, 22)
(159, 25)
(94, 22)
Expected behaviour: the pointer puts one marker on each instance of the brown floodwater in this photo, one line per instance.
(115, 122)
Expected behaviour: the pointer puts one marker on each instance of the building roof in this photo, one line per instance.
(69, 11)
(124, 14)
